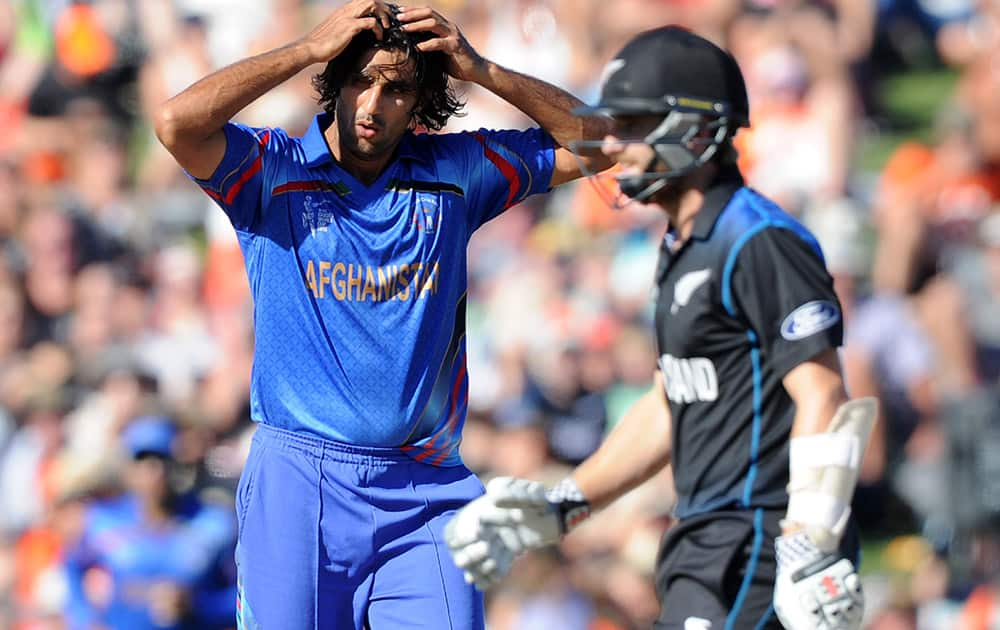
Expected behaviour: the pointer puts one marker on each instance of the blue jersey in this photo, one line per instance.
(359, 291)
(192, 551)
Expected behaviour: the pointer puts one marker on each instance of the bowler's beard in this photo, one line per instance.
(361, 147)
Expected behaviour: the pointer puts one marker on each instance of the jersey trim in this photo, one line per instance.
(439, 393)
(254, 168)
(727, 270)
(734, 251)
(758, 542)
(442, 442)
(506, 169)
(757, 421)
(306, 186)
(448, 431)
(766, 617)
(406, 186)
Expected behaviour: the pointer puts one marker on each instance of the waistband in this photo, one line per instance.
(321, 448)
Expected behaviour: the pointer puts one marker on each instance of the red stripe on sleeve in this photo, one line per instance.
(244, 178)
(253, 169)
(506, 169)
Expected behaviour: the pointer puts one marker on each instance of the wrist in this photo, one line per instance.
(789, 528)
(570, 505)
(482, 73)
(305, 52)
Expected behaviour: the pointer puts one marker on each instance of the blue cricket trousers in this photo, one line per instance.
(339, 536)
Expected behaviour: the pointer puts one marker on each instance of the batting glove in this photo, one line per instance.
(513, 516)
(477, 547)
(815, 590)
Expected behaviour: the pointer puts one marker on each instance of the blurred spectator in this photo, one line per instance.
(152, 558)
(122, 290)
(803, 103)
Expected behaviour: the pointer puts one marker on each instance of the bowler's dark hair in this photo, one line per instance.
(436, 98)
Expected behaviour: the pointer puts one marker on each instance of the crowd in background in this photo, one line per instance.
(126, 329)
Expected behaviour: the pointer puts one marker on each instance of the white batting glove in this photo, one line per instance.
(815, 590)
(476, 547)
(513, 516)
(524, 511)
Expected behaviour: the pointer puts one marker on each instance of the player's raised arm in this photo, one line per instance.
(549, 106)
(190, 125)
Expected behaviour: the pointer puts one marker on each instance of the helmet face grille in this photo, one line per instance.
(681, 142)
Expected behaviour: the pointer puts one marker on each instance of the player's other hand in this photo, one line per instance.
(331, 36)
(526, 513)
(815, 590)
(514, 515)
(476, 546)
(464, 62)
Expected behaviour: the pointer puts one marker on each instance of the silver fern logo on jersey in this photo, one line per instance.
(686, 287)
(809, 319)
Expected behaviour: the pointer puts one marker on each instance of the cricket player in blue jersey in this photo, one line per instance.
(166, 557)
(354, 238)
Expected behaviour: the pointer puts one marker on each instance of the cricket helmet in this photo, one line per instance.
(693, 84)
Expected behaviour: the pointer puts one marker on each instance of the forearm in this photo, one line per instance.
(817, 388)
(546, 104)
(634, 451)
(205, 107)
(813, 414)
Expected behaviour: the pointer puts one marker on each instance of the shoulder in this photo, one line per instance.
(753, 219)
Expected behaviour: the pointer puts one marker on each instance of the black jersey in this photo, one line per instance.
(744, 300)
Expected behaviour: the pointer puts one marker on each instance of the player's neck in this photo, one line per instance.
(683, 212)
(684, 206)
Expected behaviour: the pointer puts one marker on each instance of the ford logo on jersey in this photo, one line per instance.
(809, 319)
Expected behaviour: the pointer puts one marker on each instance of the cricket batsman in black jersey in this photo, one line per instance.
(748, 403)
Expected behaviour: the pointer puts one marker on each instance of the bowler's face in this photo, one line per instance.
(376, 104)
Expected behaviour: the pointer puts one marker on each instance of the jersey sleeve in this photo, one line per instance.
(503, 168)
(239, 181)
(780, 285)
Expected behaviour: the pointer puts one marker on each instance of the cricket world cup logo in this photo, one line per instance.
(317, 215)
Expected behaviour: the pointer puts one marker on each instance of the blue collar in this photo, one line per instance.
(317, 153)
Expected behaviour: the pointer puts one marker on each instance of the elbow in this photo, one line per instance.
(171, 127)
(165, 125)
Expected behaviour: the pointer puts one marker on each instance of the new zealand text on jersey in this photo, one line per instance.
(689, 380)
(361, 283)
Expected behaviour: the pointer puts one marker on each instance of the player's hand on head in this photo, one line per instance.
(464, 62)
(815, 590)
(331, 36)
